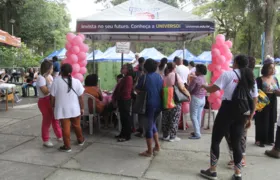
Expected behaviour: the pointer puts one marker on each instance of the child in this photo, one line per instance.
(66, 98)
(43, 85)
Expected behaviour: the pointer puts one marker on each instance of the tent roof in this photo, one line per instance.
(110, 54)
(188, 55)
(152, 53)
(144, 20)
(205, 57)
(97, 55)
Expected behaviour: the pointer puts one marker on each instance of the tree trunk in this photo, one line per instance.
(249, 41)
(270, 22)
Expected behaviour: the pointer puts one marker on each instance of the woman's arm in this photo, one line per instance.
(211, 89)
(45, 90)
(183, 89)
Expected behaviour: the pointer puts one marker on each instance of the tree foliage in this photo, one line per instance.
(243, 21)
(42, 24)
(18, 57)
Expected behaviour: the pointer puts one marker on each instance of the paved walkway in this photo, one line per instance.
(22, 156)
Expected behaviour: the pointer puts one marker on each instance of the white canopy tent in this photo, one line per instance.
(145, 20)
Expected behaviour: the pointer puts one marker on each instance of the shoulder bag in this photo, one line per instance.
(179, 96)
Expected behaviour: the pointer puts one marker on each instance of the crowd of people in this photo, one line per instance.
(61, 98)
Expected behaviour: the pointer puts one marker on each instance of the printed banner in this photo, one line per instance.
(145, 26)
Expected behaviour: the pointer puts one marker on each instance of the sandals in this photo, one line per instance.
(145, 154)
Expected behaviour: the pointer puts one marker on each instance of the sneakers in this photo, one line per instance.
(231, 164)
(194, 137)
(82, 143)
(273, 153)
(176, 139)
(48, 144)
(236, 177)
(208, 174)
(60, 139)
(64, 149)
(166, 138)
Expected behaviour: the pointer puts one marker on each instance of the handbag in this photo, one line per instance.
(179, 96)
(139, 106)
(263, 101)
(168, 97)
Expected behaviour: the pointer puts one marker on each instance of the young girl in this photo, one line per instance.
(66, 98)
(44, 83)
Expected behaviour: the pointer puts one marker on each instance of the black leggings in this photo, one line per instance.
(125, 116)
(227, 122)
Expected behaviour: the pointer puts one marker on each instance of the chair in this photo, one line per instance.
(185, 120)
(207, 109)
(87, 112)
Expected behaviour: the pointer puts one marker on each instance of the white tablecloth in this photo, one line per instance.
(5, 86)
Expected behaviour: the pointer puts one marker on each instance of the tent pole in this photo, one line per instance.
(93, 56)
(122, 61)
(184, 47)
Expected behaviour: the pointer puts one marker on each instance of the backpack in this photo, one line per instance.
(242, 99)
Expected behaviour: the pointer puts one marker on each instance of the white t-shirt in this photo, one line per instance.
(183, 71)
(66, 103)
(228, 82)
(41, 81)
(193, 70)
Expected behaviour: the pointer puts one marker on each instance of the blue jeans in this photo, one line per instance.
(150, 122)
(196, 108)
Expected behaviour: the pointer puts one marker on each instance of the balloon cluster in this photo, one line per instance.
(76, 55)
(221, 58)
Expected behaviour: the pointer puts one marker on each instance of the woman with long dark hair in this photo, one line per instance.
(266, 119)
(228, 120)
(67, 101)
(122, 96)
(44, 83)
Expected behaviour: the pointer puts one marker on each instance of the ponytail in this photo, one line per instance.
(247, 76)
(69, 78)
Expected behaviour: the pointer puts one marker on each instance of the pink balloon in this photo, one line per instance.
(68, 45)
(82, 56)
(84, 48)
(216, 94)
(215, 52)
(211, 98)
(215, 106)
(79, 76)
(76, 68)
(75, 49)
(83, 63)
(229, 56)
(217, 68)
(82, 36)
(68, 53)
(211, 67)
(228, 43)
(220, 39)
(83, 70)
(221, 60)
(70, 36)
(77, 40)
(73, 58)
